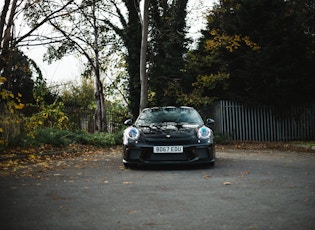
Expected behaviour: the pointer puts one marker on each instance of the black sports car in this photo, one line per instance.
(168, 135)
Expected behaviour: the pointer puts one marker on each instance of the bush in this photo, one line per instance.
(52, 136)
(52, 116)
(56, 137)
(10, 118)
(221, 138)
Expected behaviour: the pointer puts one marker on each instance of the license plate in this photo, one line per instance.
(168, 149)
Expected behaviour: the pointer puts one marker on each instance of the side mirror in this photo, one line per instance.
(210, 121)
(128, 122)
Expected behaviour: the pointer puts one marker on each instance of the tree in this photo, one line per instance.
(19, 76)
(75, 28)
(283, 67)
(281, 71)
(168, 45)
(10, 38)
(129, 30)
(79, 95)
(208, 68)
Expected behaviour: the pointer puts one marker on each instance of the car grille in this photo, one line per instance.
(168, 157)
(174, 141)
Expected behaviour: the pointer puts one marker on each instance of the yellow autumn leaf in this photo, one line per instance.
(213, 32)
(2, 79)
(19, 106)
(32, 156)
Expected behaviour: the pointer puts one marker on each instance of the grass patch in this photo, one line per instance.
(307, 143)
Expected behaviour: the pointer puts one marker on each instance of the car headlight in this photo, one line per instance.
(204, 132)
(132, 133)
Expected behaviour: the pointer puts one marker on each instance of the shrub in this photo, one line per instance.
(221, 138)
(51, 116)
(10, 118)
(60, 138)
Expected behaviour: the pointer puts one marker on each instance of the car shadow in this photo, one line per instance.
(172, 167)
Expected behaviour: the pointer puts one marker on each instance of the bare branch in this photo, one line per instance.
(81, 49)
(51, 16)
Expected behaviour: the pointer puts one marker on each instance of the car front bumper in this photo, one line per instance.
(192, 154)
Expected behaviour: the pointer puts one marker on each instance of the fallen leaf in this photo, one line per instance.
(149, 223)
(127, 182)
(133, 211)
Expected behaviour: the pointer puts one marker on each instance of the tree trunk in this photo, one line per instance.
(4, 12)
(143, 53)
(100, 111)
(6, 38)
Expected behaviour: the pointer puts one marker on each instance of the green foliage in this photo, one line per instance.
(53, 136)
(10, 118)
(222, 139)
(41, 93)
(130, 35)
(200, 96)
(103, 139)
(79, 95)
(208, 66)
(18, 76)
(52, 116)
(19, 93)
(266, 49)
(59, 138)
(168, 45)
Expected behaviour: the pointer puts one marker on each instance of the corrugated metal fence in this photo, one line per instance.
(264, 123)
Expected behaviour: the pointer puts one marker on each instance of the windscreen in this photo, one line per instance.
(168, 115)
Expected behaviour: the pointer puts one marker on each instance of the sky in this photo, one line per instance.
(68, 69)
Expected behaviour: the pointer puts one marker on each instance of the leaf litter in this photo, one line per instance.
(28, 162)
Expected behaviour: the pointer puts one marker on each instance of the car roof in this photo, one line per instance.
(168, 107)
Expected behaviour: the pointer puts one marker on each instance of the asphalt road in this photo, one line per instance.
(246, 189)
